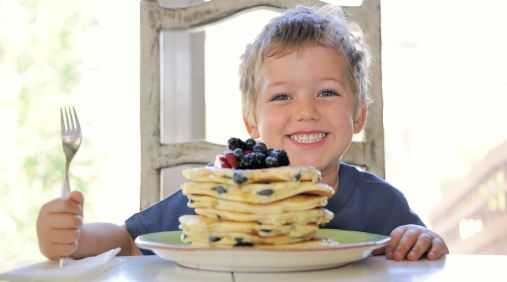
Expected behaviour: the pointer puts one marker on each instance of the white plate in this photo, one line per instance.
(353, 246)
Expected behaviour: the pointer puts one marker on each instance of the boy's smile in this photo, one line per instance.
(306, 106)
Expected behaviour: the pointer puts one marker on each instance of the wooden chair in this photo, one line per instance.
(182, 74)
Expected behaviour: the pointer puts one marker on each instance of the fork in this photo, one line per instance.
(71, 140)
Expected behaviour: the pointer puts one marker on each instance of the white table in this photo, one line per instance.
(477, 268)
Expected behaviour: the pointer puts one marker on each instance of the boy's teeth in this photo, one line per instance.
(308, 138)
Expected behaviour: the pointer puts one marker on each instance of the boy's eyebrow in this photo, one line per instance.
(267, 84)
(276, 83)
(281, 82)
(332, 79)
(341, 83)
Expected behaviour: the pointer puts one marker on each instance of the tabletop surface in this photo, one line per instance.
(452, 268)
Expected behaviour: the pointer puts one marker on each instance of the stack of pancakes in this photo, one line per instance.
(270, 207)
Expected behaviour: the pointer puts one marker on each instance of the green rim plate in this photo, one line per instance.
(346, 238)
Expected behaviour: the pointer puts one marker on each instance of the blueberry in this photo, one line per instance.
(234, 143)
(239, 178)
(238, 153)
(219, 189)
(252, 160)
(249, 143)
(258, 160)
(260, 148)
(283, 159)
(271, 162)
(241, 243)
(281, 156)
(297, 177)
(247, 161)
(214, 238)
(274, 152)
(265, 192)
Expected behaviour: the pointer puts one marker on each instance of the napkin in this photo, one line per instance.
(72, 270)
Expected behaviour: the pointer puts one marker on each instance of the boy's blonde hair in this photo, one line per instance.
(298, 28)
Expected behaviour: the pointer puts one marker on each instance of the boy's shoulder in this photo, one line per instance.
(367, 202)
(367, 182)
(357, 174)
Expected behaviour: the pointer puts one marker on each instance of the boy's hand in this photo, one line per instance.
(412, 242)
(58, 226)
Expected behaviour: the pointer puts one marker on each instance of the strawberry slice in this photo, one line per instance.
(231, 159)
(221, 162)
(224, 163)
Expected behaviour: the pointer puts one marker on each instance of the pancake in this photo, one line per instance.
(315, 216)
(246, 176)
(268, 208)
(257, 193)
(237, 239)
(203, 226)
(295, 203)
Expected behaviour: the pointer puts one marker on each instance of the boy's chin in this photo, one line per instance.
(318, 164)
(314, 163)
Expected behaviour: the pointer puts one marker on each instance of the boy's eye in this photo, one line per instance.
(328, 93)
(280, 97)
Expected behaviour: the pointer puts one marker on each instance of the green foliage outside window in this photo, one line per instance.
(39, 69)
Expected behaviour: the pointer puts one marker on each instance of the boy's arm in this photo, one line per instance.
(96, 238)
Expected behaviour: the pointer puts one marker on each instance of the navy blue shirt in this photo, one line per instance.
(364, 202)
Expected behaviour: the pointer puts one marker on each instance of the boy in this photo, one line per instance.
(303, 84)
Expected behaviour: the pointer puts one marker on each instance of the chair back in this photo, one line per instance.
(172, 81)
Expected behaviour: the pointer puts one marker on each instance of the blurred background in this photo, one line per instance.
(444, 111)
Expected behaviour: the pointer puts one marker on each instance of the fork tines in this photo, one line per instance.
(68, 119)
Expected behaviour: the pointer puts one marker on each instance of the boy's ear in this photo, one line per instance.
(360, 120)
(251, 128)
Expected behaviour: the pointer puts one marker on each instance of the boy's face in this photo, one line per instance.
(305, 106)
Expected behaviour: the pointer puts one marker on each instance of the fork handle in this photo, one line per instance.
(66, 184)
(65, 194)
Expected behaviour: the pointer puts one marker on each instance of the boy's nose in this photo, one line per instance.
(307, 110)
